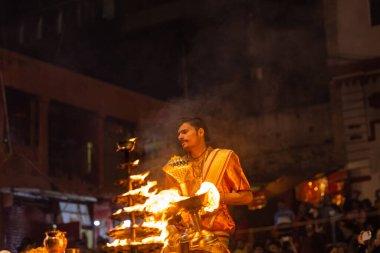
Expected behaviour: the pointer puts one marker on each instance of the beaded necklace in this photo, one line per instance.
(197, 164)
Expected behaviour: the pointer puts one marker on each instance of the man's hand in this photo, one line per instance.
(259, 200)
(364, 236)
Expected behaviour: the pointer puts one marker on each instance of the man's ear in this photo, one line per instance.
(201, 132)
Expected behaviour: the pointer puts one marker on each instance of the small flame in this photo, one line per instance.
(118, 242)
(213, 196)
(162, 238)
(132, 139)
(124, 224)
(144, 190)
(136, 162)
(140, 177)
(130, 209)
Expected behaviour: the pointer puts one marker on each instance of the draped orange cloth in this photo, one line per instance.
(221, 167)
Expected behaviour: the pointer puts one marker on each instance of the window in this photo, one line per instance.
(72, 212)
(23, 117)
(72, 142)
(375, 12)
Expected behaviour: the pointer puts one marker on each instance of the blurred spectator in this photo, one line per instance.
(288, 245)
(241, 248)
(336, 248)
(258, 248)
(316, 225)
(328, 209)
(273, 246)
(329, 212)
(368, 216)
(283, 219)
(311, 242)
(375, 247)
(362, 242)
(353, 202)
(303, 213)
(377, 197)
(376, 209)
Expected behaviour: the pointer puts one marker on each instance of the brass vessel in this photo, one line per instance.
(196, 238)
(55, 241)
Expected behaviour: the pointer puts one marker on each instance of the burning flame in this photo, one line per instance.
(118, 242)
(163, 200)
(144, 190)
(124, 224)
(213, 196)
(150, 222)
(157, 204)
(140, 177)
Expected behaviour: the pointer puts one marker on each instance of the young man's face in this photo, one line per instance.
(189, 137)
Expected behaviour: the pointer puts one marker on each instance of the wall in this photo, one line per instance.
(349, 30)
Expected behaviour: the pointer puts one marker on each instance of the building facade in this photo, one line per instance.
(59, 130)
(352, 29)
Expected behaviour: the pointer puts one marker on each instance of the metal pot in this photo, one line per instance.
(55, 241)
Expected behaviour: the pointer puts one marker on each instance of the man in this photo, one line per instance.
(218, 166)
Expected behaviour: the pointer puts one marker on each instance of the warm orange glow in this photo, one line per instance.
(36, 250)
(143, 190)
(154, 210)
(140, 177)
(150, 222)
(118, 242)
(124, 224)
(338, 199)
(163, 200)
(136, 162)
(313, 191)
(213, 196)
(339, 186)
(156, 204)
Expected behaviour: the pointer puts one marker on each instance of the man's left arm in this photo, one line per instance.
(237, 181)
(237, 198)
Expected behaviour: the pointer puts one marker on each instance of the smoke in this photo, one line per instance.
(226, 126)
(253, 77)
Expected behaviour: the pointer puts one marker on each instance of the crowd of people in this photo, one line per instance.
(318, 228)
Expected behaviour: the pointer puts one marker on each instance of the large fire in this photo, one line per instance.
(156, 211)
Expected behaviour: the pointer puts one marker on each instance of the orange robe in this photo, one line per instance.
(233, 180)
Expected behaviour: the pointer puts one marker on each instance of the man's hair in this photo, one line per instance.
(196, 123)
